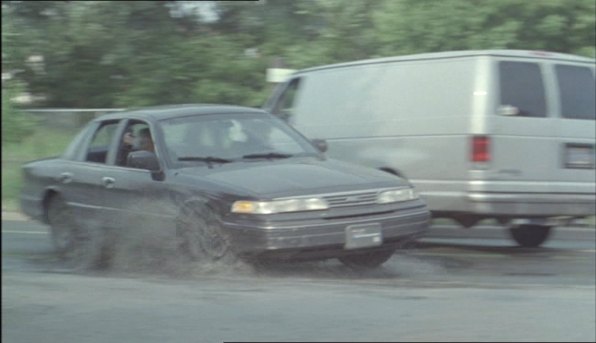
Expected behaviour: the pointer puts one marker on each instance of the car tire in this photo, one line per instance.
(201, 237)
(69, 240)
(530, 235)
(367, 260)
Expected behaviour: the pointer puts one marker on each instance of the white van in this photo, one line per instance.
(502, 134)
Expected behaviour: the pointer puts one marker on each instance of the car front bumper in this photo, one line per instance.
(327, 237)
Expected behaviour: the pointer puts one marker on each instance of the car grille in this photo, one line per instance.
(354, 199)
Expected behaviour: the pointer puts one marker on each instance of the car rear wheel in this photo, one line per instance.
(367, 260)
(201, 237)
(530, 235)
(68, 239)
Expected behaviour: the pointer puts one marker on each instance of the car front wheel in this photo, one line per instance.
(368, 259)
(200, 235)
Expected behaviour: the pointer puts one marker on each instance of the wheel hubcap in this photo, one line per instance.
(202, 239)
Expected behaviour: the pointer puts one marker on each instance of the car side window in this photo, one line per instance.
(74, 149)
(98, 148)
(522, 89)
(136, 136)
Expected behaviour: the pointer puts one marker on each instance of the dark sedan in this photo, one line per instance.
(227, 182)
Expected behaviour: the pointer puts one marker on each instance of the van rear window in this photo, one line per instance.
(577, 88)
(522, 88)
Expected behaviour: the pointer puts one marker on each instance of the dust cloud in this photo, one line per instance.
(144, 248)
(150, 251)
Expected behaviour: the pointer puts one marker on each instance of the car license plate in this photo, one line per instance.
(362, 236)
(579, 156)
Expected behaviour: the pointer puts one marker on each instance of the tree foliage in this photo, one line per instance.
(16, 125)
(433, 25)
(136, 53)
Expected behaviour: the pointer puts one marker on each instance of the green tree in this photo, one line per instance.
(16, 124)
(406, 26)
(136, 53)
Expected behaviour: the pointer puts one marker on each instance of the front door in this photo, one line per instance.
(135, 198)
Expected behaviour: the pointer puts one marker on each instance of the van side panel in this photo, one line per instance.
(576, 127)
(417, 116)
(528, 152)
(411, 117)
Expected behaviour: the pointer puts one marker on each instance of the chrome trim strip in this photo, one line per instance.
(532, 197)
(354, 193)
(331, 222)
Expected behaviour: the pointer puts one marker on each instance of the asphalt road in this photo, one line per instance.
(446, 288)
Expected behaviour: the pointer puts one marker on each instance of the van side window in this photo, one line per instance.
(285, 104)
(522, 88)
(577, 89)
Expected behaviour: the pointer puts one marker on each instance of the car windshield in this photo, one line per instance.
(216, 139)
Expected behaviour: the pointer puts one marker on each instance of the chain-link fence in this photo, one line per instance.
(68, 118)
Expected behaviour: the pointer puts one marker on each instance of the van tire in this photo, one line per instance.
(530, 235)
(367, 260)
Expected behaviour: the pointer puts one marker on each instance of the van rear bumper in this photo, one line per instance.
(514, 204)
(534, 204)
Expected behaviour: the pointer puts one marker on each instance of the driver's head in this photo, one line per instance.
(145, 140)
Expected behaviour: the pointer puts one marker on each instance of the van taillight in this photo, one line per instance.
(480, 149)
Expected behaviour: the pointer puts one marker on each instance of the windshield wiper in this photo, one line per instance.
(208, 159)
(268, 155)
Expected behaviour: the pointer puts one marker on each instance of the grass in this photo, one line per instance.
(44, 142)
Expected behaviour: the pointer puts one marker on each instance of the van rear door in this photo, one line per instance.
(523, 148)
(576, 128)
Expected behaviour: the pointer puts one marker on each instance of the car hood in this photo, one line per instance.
(294, 177)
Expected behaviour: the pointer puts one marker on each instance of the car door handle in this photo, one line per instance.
(65, 177)
(108, 182)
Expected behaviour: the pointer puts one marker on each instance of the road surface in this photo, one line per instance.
(443, 289)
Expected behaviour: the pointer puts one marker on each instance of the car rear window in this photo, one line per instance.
(576, 89)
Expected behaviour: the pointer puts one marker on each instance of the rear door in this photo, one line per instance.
(576, 130)
(525, 151)
(82, 177)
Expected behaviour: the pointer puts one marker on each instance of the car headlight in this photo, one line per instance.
(279, 206)
(396, 195)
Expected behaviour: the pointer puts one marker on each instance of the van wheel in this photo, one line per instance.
(367, 260)
(530, 235)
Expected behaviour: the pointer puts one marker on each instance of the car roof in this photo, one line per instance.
(175, 111)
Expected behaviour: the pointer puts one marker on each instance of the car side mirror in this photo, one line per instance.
(320, 144)
(143, 160)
